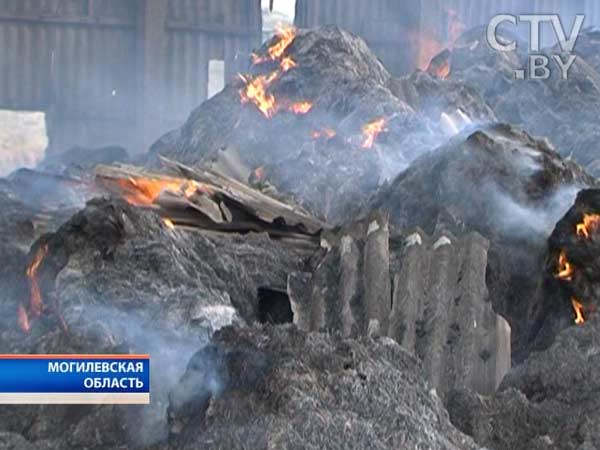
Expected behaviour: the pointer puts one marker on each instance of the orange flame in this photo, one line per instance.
(430, 46)
(23, 319)
(565, 268)
(443, 70)
(256, 92)
(326, 133)
(36, 304)
(590, 223)
(579, 311)
(35, 296)
(301, 107)
(371, 130)
(287, 63)
(285, 36)
(256, 88)
(144, 191)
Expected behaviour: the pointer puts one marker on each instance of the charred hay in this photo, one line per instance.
(115, 279)
(280, 387)
(549, 402)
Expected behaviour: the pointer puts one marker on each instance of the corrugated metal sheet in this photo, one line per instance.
(226, 30)
(387, 25)
(68, 64)
(479, 12)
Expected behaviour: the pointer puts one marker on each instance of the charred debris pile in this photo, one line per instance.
(325, 256)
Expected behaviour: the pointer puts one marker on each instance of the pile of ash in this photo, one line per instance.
(115, 279)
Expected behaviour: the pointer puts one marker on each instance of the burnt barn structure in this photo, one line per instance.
(120, 71)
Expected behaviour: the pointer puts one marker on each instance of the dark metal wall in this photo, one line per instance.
(473, 13)
(86, 63)
(200, 31)
(98, 67)
(390, 27)
(399, 29)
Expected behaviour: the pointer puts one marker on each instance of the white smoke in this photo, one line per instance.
(170, 352)
(520, 220)
(454, 122)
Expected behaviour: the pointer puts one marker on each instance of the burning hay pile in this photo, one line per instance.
(319, 118)
(570, 289)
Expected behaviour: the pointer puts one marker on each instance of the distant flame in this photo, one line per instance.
(326, 133)
(430, 46)
(590, 223)
(443, 70)
(371, 130)
(256, 89)
(169, 224)
(579, 311)
(23, 319)
(301, 107)
(36, 304)
(285, 36)
(256, 92)
(144, 191)
(287, 63)
(35, 297)
(565, 268)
